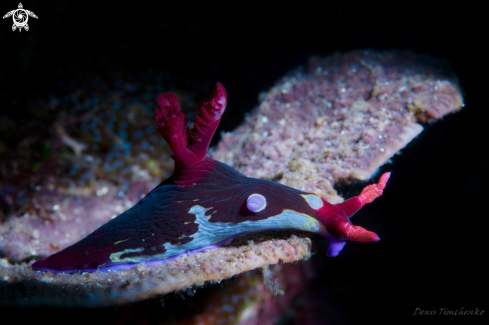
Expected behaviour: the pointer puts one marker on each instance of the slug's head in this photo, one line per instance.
(336, 217)
(253, 205)
(280, 207)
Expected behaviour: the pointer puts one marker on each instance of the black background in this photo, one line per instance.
(432, 218)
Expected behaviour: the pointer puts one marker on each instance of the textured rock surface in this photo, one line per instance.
(21, 285)
(338, 120)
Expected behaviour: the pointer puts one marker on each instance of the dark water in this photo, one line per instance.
(431, 218)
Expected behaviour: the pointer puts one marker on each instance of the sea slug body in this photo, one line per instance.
(206, 203)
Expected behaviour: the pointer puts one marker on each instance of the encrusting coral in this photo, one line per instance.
(339, 120)
(23, 286)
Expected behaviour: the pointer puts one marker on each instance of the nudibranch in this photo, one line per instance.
(205, 204)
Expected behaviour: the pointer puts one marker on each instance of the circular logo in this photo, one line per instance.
(20, 18)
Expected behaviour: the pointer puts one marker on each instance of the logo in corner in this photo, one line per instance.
(20, 17)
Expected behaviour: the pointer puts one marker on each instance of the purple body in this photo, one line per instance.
(205, 204)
